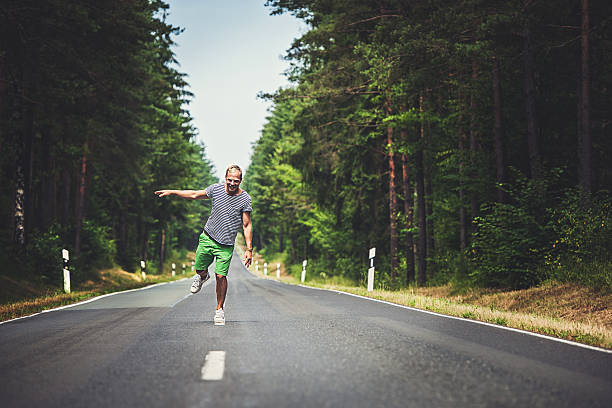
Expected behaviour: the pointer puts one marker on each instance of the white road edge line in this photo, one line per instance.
(180, 300)
(93, 299)
(571, 343)
(214, 366)
(190, 294)
(479, 322)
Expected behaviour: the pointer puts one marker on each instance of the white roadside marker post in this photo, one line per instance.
(66, 257)
(142, 270)
(277, 271)
(304, 270)
(192, 266)
(371, 270)
(265, 268)
(173, 269)
(256, 266)
(183, 269)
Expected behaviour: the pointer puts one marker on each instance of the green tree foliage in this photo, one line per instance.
(94, 120)
(482, 101)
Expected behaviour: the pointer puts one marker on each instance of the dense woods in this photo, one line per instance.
(468, 141)
(94, 119)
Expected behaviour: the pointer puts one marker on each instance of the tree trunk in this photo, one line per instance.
(53, 191)
(293, 254)
(23, 168)
(48, 182)
(427, 167)
(499, 133)
(585, 104)
(408, 193)
(463, 226)
(530, 104)
(19, 203)
(162, 250)
(123, 234)
(421, 211)
(139, 235)
(80, 202)
(66, 181)
(473, 144)
(144, 252)
(393, 208)
(28, 133)
(4, 81)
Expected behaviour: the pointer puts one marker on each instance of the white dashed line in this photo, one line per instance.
(214, 366)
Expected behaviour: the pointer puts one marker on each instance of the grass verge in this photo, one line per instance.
(567, 311)
(108, 281)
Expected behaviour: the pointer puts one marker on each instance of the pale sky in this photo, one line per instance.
(231, 50)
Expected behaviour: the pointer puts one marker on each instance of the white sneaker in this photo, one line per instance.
(219, 318)
(198, 281)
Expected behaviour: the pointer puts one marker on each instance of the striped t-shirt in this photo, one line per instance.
(226, 214)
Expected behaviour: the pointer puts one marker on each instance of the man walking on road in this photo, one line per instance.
(231, 207)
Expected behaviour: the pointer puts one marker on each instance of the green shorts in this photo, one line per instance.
(209, 250)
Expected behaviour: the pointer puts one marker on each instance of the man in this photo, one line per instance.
(231, 207)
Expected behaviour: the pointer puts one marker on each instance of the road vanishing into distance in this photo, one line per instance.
(283, 346)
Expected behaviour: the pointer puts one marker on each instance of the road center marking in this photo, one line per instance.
(214, 366)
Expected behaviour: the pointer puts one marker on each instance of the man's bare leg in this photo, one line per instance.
(221, 290)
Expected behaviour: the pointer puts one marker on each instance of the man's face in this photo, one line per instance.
(232, 181)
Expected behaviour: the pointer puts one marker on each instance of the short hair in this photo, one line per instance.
(234, 167)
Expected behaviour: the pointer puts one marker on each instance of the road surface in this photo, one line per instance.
(283, 346)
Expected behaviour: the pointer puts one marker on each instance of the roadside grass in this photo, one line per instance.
(587, 331)
(38, 298)
(562, 310)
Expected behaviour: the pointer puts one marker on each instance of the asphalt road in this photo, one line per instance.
(283, 346)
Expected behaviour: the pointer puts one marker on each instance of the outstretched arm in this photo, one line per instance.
(188, 194)
(247, 228)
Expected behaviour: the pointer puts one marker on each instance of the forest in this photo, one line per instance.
(94, 118)
(468, 141)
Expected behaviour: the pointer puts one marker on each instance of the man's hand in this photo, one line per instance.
(247, 229)
(163, 193)
(248, 256)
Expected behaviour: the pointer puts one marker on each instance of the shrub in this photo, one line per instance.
(97, 245)
(451, 267)
(506, 247)
(98, 250)
(582, 245)
(44, 253)
(582, 231)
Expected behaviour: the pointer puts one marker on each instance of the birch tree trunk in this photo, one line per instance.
(19, 201)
